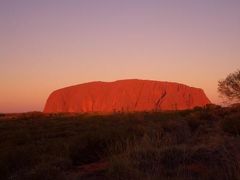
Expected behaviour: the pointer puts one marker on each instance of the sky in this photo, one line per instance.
(49, 44)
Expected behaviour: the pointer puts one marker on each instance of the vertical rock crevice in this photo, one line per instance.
(125, 95)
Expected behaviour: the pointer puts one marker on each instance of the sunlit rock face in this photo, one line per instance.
(125, 95)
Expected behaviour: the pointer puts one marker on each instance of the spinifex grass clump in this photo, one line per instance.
(195, 144)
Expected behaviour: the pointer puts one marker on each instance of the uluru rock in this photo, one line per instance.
(125, 95)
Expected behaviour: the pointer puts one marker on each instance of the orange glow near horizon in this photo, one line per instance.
(49, 45)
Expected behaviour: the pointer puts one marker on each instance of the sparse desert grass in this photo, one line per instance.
(147, 160)
(202, 143)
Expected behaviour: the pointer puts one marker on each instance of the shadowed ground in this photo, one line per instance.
(202, 143)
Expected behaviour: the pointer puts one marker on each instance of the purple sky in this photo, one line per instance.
(49, 44)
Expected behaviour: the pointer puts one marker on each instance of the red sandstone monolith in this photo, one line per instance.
(125, 95)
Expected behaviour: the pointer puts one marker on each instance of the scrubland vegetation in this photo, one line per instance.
(203, 143)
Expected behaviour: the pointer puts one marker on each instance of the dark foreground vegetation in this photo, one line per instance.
(203, 143)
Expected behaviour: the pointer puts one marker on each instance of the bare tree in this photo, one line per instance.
(230, 87)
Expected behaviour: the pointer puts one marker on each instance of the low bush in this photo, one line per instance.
(190, 144)
(175, 162)
(231, 124)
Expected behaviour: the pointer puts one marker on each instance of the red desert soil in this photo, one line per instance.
(93, 170)
(125, 95)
